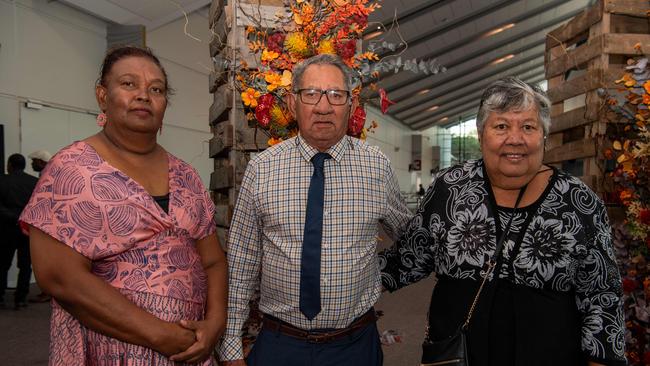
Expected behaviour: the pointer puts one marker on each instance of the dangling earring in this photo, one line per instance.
(101, 119)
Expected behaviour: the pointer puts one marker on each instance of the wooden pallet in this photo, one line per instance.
(234, 138)
(586, 54)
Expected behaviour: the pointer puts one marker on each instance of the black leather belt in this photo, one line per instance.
(285, 328)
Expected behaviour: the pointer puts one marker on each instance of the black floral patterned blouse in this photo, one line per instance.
(555, 298)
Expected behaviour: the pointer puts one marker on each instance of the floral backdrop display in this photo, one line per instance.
(629, 162)
(302, 29)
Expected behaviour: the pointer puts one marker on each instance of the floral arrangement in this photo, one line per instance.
(630, 157)
(304, 29)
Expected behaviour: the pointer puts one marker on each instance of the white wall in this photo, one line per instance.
(394, 139)
(186, 131)
(49, 52)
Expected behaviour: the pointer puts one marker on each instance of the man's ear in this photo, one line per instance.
(290, 99)
(100, 95)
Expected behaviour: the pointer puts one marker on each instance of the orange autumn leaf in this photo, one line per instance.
(625, 195)
(371, 56)
(627, 80)
(608, 153)
(622, 158)
(268, 55)
(626, 145)
(646, 86)
(617, 145)
(637, 46)
(249, 97)
(273, 141)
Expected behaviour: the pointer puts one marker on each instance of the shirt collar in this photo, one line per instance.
(337, 151)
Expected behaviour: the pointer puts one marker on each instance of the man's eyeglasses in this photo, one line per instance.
(313, 96)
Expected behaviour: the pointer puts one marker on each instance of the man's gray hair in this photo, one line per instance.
(323, 59)
(512, 94)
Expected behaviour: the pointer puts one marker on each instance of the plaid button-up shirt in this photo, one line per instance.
(266, 234)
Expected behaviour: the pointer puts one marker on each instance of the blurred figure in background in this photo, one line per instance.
(15, 190)
(40, 158)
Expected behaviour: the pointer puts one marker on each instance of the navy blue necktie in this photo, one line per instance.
(313, 234)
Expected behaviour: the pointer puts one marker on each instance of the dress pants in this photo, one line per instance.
(360, 348)
(15, 241)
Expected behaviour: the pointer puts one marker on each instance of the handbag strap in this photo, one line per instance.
(491, 263)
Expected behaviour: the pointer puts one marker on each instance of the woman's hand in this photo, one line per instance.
(207, 334)
(174, 339)
(212, 327)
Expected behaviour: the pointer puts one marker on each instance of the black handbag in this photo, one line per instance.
(452, 351)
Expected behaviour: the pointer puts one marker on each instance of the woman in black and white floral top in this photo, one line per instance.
(555, 295)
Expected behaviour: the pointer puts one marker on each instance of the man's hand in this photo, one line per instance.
(234, 363)
(207, 334)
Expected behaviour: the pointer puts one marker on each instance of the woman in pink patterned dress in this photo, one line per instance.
(122, 235)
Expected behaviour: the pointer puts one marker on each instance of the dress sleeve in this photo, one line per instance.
(197, 210)
(410, 259)
(397, 214)
(599, 294)
(63, 208)
(244, 263)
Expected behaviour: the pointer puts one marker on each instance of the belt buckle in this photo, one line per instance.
(316, 338)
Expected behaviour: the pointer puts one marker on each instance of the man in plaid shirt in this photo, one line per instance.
(304, 230)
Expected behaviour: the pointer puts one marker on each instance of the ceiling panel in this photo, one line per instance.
(455, 32)
(150, 13)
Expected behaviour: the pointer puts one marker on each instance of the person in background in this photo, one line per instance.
(40, 158)
(304, 230)
(555, 295)
(15, 190)
(123, 237)
(421, 191)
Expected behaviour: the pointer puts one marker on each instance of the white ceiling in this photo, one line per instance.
(150, 13)
(451, 31)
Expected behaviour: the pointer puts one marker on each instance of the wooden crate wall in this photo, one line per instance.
(235, 138)
(587, 53)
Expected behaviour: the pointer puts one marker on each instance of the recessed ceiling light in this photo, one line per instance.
(444, 119)
(423, 91)
(433, 108)
(505, 58)
(499, 30)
